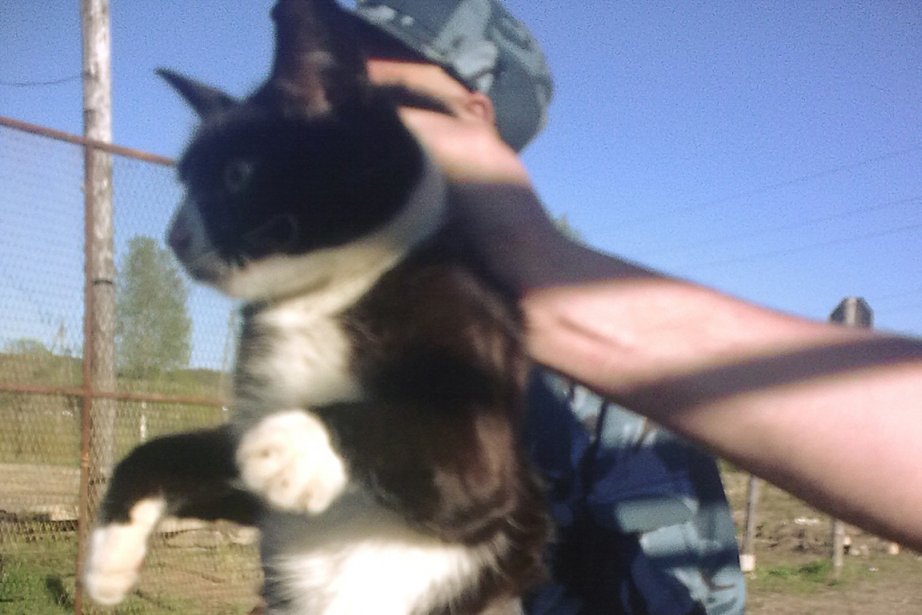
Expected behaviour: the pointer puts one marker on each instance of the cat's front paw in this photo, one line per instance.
(288, 459)
(117, 551)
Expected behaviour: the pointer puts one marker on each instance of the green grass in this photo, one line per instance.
(37, 577)
(35, 567)
(803, 578)
(30, 590)
(45, 429)
(41, 429)
(38, 558)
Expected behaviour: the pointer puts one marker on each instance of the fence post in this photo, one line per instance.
(748, 550)
(851, 312)
(98, 415)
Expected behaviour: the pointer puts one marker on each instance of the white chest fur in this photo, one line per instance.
(303, 355)
(360, 558)
(302, 362)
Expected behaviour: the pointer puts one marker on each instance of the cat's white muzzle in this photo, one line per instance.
(190, 243)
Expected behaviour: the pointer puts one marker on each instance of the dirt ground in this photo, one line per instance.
(794, 576)
(34, 488)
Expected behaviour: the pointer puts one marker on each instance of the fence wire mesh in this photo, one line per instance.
(192, 567)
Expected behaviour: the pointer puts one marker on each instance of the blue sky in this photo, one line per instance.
(770, 149)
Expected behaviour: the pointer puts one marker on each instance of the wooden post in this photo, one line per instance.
(748, 550)
(851, 312)
(98, 415)
(838, 547)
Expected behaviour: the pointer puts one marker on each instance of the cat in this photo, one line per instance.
(379, 385)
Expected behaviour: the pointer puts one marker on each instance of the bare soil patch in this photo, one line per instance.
(794, 575)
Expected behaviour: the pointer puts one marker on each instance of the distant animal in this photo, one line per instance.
(379, 386)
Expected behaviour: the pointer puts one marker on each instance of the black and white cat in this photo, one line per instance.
(379, 385)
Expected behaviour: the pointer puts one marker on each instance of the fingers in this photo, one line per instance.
(468, 151)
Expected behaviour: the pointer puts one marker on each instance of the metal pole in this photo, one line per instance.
(748, 551)
(851, 312)
(98, 416)
(58, 135)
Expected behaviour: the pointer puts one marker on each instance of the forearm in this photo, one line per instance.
(831, 414)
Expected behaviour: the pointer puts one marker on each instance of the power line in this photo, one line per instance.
(793, 226)
(31, 84)
(813, 246)
(771, 187)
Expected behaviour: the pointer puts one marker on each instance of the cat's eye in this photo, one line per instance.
(237, 174)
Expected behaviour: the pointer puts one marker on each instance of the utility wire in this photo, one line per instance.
(792, 226)
(812, 246)
(32, 84)
(771, 187)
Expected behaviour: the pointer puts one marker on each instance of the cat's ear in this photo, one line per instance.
(318, 64)
(204, 99)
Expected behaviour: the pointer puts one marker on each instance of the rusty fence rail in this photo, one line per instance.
(49, 404)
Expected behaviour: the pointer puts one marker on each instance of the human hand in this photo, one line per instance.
(492, 199)
(466, 150)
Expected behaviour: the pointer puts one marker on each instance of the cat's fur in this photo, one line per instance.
(379, 385)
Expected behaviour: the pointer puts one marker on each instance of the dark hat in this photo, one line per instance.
(481, 45)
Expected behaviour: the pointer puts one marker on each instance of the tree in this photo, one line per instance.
(153, 330)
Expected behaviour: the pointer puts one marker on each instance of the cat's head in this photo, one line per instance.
(307, 181)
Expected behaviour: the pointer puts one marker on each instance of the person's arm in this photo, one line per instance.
(834, 415)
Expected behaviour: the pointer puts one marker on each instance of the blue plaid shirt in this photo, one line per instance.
(643, 525)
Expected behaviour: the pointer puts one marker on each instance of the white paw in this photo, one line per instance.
(287, 458)
(117, 551)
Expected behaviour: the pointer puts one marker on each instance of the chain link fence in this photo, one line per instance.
(47, 404)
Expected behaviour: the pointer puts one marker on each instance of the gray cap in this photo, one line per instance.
(480, 44)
